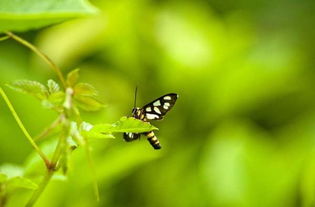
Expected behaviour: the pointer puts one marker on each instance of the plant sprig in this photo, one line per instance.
(67, 100)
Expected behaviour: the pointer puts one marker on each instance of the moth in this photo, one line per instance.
(154, 110)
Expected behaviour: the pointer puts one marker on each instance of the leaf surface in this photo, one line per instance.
(22, 15)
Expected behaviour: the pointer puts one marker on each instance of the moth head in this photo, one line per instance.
(136, 111)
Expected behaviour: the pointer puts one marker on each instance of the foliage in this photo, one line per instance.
(33, 14)
(242, 134)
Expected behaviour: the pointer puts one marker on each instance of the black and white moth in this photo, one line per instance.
(154, 110)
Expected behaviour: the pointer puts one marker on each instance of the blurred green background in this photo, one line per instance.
(242, 132)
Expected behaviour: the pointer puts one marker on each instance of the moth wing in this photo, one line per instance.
(157, 109)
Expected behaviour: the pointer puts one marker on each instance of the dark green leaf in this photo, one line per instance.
(20, 15)
(30, 87)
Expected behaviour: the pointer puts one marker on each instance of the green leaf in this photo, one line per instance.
(54, 100)
(11, 170)
(87, 103)
(123, 125)
(75, 133)
(3, 177)
(89, 131)
(53, 87)
(20, 182)
(30, 87)
(98, 134)
(73, 77)
(21, 15)
(85, 89)
(130, 124)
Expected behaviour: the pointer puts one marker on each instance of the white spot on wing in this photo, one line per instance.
(157, 103)
(152, 116)
(167, 98)
(148, 109)
(166, 105)
(157, 110)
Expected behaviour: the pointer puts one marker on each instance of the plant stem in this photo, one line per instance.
(50, 172)
(19, 122)
(47, 130)
(40, 188)
(93, 170)
(4, 38)
(40, 54)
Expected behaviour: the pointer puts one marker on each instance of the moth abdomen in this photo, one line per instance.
(153, 140)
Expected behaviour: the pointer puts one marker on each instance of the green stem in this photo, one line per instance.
(40, 54)
(47, 131)
(40, 188)
(50, 172)
(19, 122)
(93, 170)
(4, 38)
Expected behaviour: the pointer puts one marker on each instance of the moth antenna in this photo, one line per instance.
(135, 101)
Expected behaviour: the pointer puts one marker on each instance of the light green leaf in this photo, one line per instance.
(123, 125)
(75, 133)
(95, 134)
(30, 87)
(20, 182)
(21, 15)
(130, 124)
(89, 131)
(57, 98)
(11, 170)
(3, 177)
(87, 103)
(85, 89)
(73, 77)
(53, 87)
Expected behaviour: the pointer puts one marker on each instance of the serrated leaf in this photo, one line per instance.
(85, 126)
(30, 87)
(75, 133)
(20, 182)
(123, 125)
(53, 87)
(54, 100)
(21, 15)
(87, 103)
(85, 89)
(57, 98)
(130, 124)
(73, 77)
(89, 131)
